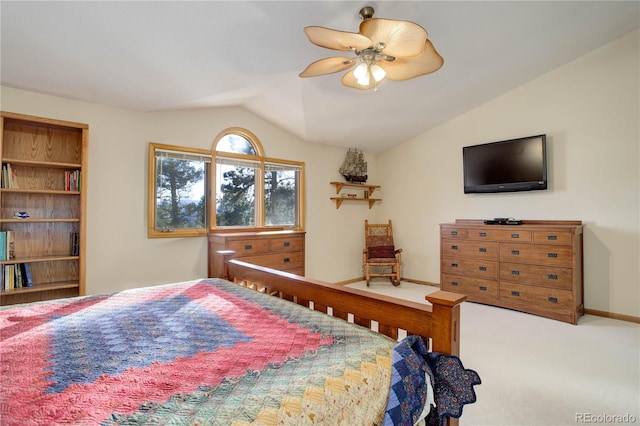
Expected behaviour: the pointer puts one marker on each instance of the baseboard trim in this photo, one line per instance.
(611, 315)
(409, 280)
(351, 281)
(605, 314)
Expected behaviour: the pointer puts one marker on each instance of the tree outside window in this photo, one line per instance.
(253, 191)
(250, 191)
(177, 201)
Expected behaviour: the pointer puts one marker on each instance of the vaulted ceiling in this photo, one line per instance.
(165, 55)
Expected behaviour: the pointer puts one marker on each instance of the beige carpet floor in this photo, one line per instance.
(537, 371)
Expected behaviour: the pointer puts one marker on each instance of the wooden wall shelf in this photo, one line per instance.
(363, 186)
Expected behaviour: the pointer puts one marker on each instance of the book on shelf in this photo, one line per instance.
(17, 269)
(10, 245)
(3, 245)
(72, 180)
(9, 179)
(9, 277)
(28, 280)
(75, 243)
(7, 245)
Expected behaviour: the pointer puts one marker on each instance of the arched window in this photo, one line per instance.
(252, 190)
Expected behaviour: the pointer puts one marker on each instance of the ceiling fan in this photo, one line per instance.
(383, 48)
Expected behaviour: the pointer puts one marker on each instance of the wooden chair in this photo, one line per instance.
(380, 253)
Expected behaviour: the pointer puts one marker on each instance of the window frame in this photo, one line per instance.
(259, 184)
(152, 188)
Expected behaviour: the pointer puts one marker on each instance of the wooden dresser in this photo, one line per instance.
(282, 250)
(535, 267)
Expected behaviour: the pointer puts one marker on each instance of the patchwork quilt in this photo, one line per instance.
(203, 352)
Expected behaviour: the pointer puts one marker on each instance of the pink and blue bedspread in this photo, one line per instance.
(208, 352)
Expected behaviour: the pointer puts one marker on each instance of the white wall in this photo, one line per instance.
(589, 110)
(119, 254)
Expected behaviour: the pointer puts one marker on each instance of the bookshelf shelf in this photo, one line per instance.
(34, 259)
(42, 161)
(31, 220)
(39, 191)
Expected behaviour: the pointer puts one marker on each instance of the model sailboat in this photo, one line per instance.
(354, 168)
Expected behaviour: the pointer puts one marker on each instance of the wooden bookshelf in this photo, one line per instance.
(41, 153)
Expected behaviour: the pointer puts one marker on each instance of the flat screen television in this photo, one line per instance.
(506, 166)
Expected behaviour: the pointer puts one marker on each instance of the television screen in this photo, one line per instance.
(506, 166)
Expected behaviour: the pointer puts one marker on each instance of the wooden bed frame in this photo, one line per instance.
(438, 324)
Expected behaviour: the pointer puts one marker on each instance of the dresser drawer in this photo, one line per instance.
(508, 233)
(478, 268)
(280, 261)
(478, 289)
(476, 249)
(540, 254)
(552, 237)
(454, 232)
(286, 244)
(544, 276)
(525, 296)
(248, 247)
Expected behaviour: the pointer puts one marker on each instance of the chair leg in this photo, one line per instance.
(396, 271)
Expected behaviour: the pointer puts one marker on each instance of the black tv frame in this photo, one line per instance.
(511, 186)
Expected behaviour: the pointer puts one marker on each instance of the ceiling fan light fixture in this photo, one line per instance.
(378, 72)
(403, 46)
(361, 72)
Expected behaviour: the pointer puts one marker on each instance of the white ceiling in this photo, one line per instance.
(152, 55)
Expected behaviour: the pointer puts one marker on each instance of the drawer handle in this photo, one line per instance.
(482, 250)
(515, 272)
(554, 255)
(482, 268)
(454, 247)
(482, 234)
(248, 246)
(515, 252)
(515, 293)
(553, 299)
(454, 265)
(552, 237)
(515, 235)
(286, 260)
(454, 233)
(552, 276)
(483, 288)
(286, 244)
(454, 283)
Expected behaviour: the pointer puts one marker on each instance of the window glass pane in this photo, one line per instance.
(180, 193)
(281, 184)
(235, 195)
(235, 143)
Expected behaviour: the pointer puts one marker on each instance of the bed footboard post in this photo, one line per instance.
(446, 321)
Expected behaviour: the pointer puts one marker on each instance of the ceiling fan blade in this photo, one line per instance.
(350, 80)
(335, 39)
(328, 66)
(407, 68)
(402, 38)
